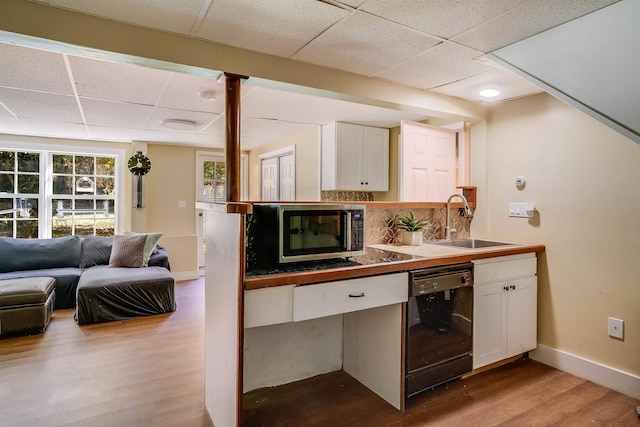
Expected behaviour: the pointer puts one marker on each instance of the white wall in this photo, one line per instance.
(584, 179)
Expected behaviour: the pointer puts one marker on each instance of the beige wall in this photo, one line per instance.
(583, 178)
(307, 147)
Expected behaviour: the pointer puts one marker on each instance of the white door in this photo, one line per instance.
(278, 175)
(287, 177)
(269, 179)
(210, 187)
(427, 162)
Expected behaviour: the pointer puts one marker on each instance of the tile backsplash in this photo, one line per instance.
(381, 224)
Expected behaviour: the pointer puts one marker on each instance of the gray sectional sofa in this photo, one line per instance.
(86, 280)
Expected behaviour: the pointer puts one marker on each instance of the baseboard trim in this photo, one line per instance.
(607, 376)
(186, 275)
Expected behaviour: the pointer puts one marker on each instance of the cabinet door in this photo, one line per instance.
(522, 315)
(489, 323)
(350, 167)
(376, 159)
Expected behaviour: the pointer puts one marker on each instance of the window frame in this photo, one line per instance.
(46, 196)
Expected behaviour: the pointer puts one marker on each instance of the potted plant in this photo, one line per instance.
(411, 229)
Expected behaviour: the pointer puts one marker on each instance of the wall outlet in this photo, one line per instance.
(616, 328)
(182, 203)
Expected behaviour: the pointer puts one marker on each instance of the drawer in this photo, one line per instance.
(502, 268)
(327, 299)
(268, 306)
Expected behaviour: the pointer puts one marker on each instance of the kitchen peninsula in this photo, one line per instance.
(268, 330)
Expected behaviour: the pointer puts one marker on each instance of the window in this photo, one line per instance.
(83, 195)
(55, 193)
(19, 186)
(213, 180)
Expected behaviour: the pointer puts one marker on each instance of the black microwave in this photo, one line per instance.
(283, 233)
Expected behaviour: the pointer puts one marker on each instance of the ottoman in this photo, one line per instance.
(26, 304)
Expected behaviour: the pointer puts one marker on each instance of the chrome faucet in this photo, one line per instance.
(467, 212)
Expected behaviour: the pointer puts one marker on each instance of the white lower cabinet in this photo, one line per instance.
(296, 332)
(505, 308)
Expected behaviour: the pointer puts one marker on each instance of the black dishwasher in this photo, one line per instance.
(439, 326)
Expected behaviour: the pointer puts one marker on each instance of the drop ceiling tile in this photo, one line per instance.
(273, 104)
(183, 93)
(277, 130)
(511, 86)
(274, 27)
(26, 68)
(440, 18)
(365, 44)
(522, 22)
(351, 3)
(249, 143)
(116, 114)
(179, 138)
(176, 16)
(41, 105)
(114, 81)
(441, 65)
(161, 114)
(57, 129)
(10, 124)
(114, 134)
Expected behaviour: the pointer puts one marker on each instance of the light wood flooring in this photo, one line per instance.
(150, 372)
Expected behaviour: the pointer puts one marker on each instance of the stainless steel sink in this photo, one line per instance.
(468, 243)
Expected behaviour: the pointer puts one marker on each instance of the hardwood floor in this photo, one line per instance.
(150, 372)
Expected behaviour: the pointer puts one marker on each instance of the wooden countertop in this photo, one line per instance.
(422, 256)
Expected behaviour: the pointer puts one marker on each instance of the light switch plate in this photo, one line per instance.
(521, 210)
(182, 203)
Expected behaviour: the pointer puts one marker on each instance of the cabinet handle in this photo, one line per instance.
(513, 287)
(506, 288)
(366, 183)
(361, 183)
(360, 295)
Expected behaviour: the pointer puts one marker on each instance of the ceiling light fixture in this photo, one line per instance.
(179, 124)
(208, 95)
(489, 91)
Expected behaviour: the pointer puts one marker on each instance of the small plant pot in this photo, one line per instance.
(413, 238)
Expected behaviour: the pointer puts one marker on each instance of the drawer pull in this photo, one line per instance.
(360, 295)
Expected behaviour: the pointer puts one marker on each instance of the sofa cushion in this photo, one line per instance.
(33, 254)
(96, 250)
(127, 251)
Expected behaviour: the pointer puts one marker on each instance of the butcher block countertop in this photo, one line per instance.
(383, 259)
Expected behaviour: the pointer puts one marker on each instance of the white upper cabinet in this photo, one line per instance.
(355, 157)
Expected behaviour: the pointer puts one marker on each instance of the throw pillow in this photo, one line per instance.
(149, 246)
(127, 251)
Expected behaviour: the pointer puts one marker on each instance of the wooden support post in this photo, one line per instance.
(232, 148)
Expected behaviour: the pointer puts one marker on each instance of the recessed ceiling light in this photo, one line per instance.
(179, 124)
(490, 91)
